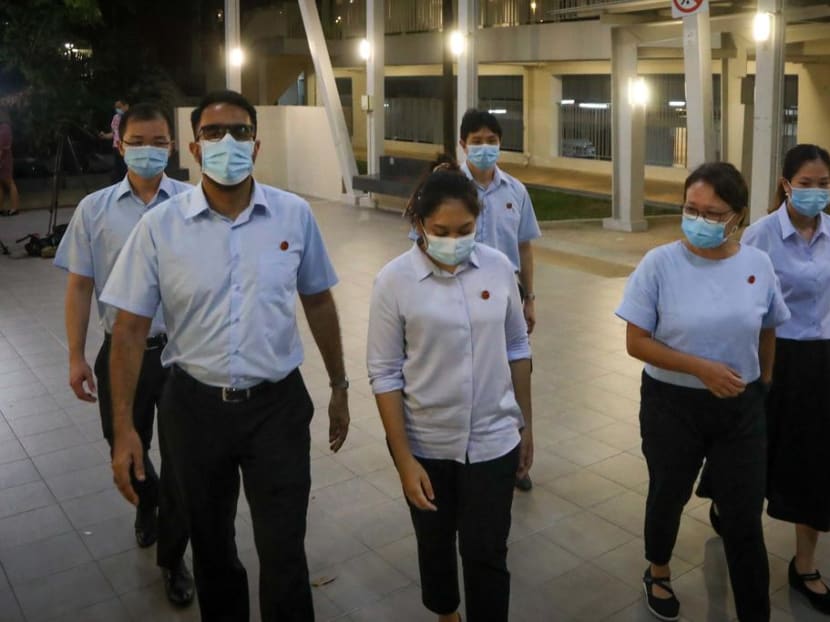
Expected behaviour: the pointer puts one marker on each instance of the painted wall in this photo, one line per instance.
(297, 151)
(814, 104)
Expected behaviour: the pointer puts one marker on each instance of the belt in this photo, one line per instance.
(225, 394)
(153, 343)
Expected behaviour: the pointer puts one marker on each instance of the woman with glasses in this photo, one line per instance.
(449, 363)
(701, 313)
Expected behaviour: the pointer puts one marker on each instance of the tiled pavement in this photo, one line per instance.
(576, 551)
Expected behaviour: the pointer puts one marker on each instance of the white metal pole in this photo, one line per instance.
(233, 70)
(697, 54)
(375, 75)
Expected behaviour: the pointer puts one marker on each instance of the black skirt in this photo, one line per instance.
(798, 428)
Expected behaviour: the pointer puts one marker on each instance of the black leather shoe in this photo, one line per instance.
(661, 608)
(524, 483)
(178, 585)
(714, 518)
(146, 527)
(820, 602)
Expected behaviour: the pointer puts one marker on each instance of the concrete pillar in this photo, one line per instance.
(375, 75)
(814, 104)
(233, 72)
(628, 142)
(327, 92)
(697, 62)
(467, 65)
(733, 72)
(769, 105)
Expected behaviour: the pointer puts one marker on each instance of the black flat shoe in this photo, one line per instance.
(146, 527)
(524, 484)
(662, 608)
(178, 585)
(714, 518)
(820, 602)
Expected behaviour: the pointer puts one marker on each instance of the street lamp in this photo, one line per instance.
(236, 57)
(762, 27)
(457, 43)
(638, 92)
(365, 49)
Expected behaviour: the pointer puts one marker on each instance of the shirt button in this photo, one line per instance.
(236, 321)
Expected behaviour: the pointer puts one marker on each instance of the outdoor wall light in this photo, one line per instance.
(365, 49)
(762, 27)
(638, 92)
(457, 43)
(236, 57)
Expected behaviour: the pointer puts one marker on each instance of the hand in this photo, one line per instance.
(80, 372)
(127, 453)
(721, 380)
(525, 453)
(530, 314)
(416, 485)
(338, 418)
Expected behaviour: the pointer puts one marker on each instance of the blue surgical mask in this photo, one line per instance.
(702, 234)
(228, 162)
(119, 111)
(450, 251)
(146, 161)
(809, 201)
(483, 157)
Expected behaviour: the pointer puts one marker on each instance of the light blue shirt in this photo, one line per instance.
(506, 219)
(446, 340)
(99, 228)
(227, 289)
(713, 309)
(804, 271)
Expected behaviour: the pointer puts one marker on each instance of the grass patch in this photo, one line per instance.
(558, 205)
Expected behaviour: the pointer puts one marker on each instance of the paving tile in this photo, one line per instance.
(70, 590)
(44, 557)
(17, 473)
(32, 526)
(68, 460)
(586, 535)
(36, 424)
(9, 607)
(361, 581)
(584, 488)
(79, 483)
(108, 611)
(625, 469)
(536, 511)
(583, 450)
(150, 603)
(131, 570)
(325, 471)
(96, 508)
(11, 451)
(536, 559)
(23, 498)
(111, 536)
(626, 510)
(54, 440)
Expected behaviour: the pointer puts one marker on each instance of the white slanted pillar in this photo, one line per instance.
(627, 138)
(327, 89)
(733, 108)
(233, 60)
(376, 113)
(697, 62)
(467, 64)
(769, 107)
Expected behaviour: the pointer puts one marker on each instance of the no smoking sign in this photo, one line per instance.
(683, 8)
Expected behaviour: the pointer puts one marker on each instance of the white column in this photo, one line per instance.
(697, 57)
(627, 138)
(467, 64)
(376, 115)
(233, 73)
(327, 92)
(769, 104)
(733, 71)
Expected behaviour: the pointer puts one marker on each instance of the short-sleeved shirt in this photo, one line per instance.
(446, 341)
(713, 309)
(506, 219)
(227, 288)
(803, 267)
(98, 230)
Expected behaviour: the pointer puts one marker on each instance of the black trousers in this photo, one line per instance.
(266, 437)
(473, 500)
(154, 491)
(680, 427)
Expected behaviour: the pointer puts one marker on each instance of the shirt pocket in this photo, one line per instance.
(277, 276)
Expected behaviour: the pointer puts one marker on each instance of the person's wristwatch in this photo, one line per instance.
(530, 296)
(342, 383)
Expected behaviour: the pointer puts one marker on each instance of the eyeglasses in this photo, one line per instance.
(713, 218)
(239, 131)
(163, 144)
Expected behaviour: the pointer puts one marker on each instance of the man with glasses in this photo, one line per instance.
(226, 262)
(97, 232)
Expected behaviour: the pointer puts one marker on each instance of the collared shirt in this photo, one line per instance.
(446, 340)
(802, 267)
(227, 288)
(506, 219)
(713, 309)
(99, 228)
(115, 125)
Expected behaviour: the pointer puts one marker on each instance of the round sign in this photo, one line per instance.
(687, 6)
